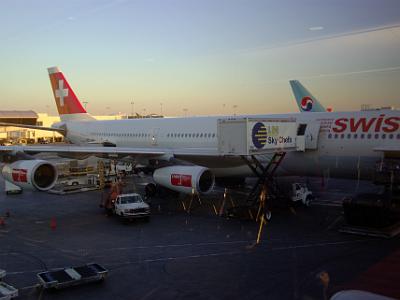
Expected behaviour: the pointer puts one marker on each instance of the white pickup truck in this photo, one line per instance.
(131, 206)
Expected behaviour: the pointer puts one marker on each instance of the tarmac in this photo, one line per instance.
(181, 255)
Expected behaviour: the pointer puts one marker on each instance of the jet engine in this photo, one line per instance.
(185, 178)
(31, 174)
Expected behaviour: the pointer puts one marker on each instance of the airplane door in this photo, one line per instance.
(311, 135)
(154, 136)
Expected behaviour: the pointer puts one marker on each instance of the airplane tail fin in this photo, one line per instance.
(68, 105)
(305, 101)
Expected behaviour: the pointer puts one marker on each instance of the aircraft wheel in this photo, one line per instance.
(308, 201)
(268, 215)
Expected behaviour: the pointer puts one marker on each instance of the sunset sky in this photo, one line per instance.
(204, 56)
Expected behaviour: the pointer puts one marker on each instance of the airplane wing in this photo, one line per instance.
(73, 150)
(391, 148)
(60, 130)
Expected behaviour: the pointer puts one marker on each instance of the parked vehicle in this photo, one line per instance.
(302, 193)
(131, 206)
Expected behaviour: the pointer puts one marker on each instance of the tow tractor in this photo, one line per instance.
(302, 193)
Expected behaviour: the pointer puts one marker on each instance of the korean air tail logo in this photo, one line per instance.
(259, 135)
(306, 103)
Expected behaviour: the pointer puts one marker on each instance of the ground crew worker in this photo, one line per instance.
(109, 205)
(263, 203)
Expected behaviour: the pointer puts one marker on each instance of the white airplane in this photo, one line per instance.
(185, 150)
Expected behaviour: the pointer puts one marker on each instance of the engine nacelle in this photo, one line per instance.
(184, 178)
(31, 174)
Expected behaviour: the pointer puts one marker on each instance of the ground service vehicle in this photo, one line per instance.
(302, 193)
(131, 206)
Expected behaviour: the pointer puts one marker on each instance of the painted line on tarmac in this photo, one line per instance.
(321, 244)
(163, 246)
(172, 258)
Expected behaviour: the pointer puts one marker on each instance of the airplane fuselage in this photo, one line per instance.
(345, 141)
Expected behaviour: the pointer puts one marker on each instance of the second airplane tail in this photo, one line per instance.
(305, 101)
(68, 105)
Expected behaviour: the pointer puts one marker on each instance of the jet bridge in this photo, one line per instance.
(253, 138)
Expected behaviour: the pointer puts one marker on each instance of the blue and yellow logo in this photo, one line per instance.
(259, 135)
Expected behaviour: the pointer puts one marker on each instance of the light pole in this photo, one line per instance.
(85, 104)
(132, 108)
(185, 110)
(234, 109)
(161, 109)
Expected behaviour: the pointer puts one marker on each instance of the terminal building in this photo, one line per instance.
(15, 135)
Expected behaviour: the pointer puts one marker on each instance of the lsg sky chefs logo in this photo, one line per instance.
(263, 135)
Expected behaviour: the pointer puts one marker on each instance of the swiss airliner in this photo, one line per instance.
(185, 150)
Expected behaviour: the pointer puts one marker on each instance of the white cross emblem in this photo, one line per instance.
(61, 92)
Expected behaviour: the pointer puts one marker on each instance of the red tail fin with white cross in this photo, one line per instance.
(68, 105)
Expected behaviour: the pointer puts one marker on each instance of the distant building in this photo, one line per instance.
(16, 134)
(27, 117)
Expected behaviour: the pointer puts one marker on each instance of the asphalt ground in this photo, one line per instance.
(178, 255)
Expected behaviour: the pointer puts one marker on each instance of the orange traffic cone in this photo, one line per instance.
(2, 222)
(53, 223)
